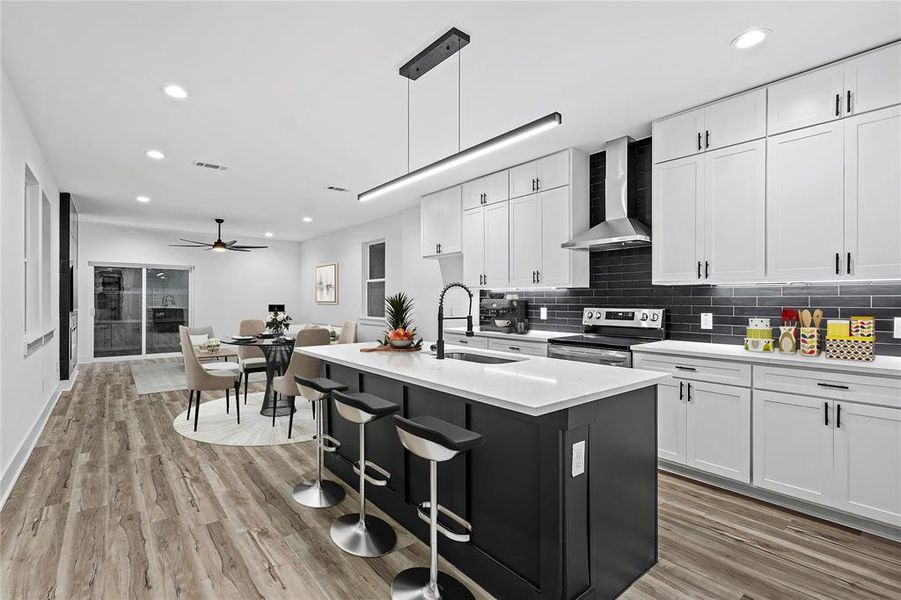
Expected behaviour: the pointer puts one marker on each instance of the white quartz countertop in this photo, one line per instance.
(533, 335)
(533, 385)
(883, 365)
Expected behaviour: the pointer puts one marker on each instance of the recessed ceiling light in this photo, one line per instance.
(175, 91)
(308, 219)
(155, 154)
(269, 234)
(750, 38)
(142, 199)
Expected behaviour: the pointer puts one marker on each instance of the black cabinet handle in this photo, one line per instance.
(838, 416)
(514, 348)
(699, 269)
(707, 138)
(849, 263)
(699, 140)
(537, 276)
(533, 184)
(681, 368)
(826, 414)
(537, 183)
(838, 104)
(533, 276)
(838, 268)
(849, 101)
(689, 391)
(832, 385)
(681, 384)
(706, 269)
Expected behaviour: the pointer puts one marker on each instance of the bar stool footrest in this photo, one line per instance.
(328, 443)
(376, 481)
(462, 526)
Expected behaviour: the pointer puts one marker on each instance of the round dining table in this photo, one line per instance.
(277, 352)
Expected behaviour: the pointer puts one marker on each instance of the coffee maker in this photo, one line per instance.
(506, 315)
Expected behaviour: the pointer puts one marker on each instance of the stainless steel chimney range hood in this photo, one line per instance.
(618, 230)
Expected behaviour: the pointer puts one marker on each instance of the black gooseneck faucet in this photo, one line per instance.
(439, 346)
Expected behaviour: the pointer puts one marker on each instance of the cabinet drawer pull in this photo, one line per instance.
(838, 104)
(514, 348)
(681, 368)
(826, 414)
(836, 386)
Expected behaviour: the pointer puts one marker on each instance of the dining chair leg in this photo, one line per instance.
(227, 402)
(274, 406)
(238, 400)
(190, 401)
(246, 381)
(291, 417)
(196, 410)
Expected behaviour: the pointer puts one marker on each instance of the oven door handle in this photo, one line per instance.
(593, 354)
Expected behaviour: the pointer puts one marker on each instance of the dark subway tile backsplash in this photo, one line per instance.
(623, 279)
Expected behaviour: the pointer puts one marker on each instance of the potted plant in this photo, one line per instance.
(277, 322)
(398, 315)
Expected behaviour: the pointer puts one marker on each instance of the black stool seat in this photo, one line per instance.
(320, 384)
(367, 403)
(440, 432)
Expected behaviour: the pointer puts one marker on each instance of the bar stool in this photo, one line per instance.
(436, 441)
(321, 493)
(358, 533)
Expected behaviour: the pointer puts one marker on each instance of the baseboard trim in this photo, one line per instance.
(12, 472)
(813, 510)
(106, 359)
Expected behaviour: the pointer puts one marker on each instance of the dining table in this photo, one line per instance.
(277, 351)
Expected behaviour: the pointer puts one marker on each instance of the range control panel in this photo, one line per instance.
(624, 317)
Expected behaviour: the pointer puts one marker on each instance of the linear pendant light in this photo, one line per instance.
(473, 152)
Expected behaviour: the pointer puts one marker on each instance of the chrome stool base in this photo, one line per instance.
(318, 494)
(412, 585)
(374, 539)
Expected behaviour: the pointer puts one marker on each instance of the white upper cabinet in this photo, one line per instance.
(873, 81)
(805, 100)
(556, 229)
(486, 190)
(735, 213)
(731, 121)
(486, 245)
(676, 201)
(542, 174)
(805, 204)
(440, 226)
(873, 195)
(869, 82)
(525, 236)
(868, 461)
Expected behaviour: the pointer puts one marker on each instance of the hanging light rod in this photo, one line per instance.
(464, 156)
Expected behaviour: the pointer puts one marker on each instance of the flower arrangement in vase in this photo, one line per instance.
(277, 322)
(398, 315)
(212, 344)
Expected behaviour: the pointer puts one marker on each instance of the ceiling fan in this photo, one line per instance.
(218, 245)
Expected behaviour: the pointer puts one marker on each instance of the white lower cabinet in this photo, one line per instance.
(531, 348)
(793, 445)
(671, 409)
(718, 429)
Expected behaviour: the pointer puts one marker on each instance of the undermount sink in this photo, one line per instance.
(480, 358)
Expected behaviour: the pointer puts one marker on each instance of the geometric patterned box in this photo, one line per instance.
(851, 349)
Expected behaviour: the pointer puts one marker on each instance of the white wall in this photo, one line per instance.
(228, 286)
(27, 384)
(405, 270)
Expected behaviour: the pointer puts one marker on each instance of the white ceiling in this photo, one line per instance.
(294, 97)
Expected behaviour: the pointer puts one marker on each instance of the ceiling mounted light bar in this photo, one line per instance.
(464, 156)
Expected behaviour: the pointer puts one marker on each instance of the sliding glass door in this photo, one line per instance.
(137, 309)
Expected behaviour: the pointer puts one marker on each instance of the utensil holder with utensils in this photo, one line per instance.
(788, 339)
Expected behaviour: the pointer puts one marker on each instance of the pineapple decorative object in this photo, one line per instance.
(398, 316)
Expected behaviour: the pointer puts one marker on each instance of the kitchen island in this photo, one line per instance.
(546, 523)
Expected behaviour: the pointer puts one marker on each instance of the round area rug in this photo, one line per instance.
(217, 427)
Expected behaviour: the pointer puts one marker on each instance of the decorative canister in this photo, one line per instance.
(788, 339)
(851, 348)
(759, 323)
(838, 328)
(759, 333)
(759, 345)
(863, 326)
(809, 341)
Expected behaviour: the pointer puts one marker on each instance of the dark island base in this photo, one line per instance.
(537, 532)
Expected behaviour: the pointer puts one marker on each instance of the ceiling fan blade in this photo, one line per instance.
(231, 243)
(236, 249)
(241, 247)
(195, 242)
(189, 245)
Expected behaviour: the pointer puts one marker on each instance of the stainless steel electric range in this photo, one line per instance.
(609, 334)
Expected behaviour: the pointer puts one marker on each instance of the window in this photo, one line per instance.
(374, 279)
(31, 256)
(46, 265)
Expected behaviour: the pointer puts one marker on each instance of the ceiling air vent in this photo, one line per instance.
(206, 165)
(335, 188)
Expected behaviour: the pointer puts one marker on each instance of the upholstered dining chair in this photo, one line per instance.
(250, 358)
(303, 366)
(204, 378)
(348, 333)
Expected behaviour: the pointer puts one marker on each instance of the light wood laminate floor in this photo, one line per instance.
(114, 504)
